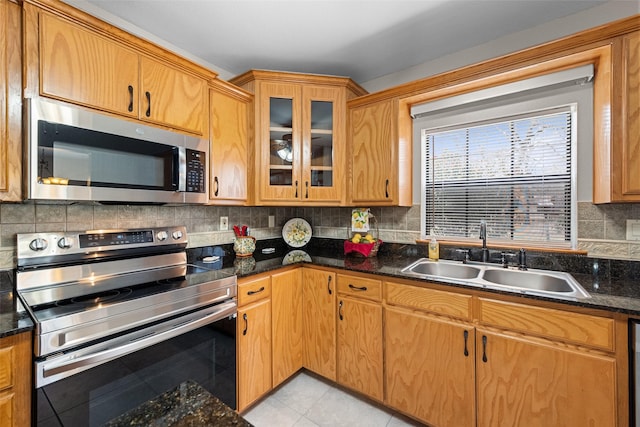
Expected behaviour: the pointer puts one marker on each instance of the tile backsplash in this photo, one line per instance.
(601, 228)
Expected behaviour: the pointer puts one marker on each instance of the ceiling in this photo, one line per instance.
(356, 38)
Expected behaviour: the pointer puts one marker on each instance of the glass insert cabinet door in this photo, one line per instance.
(301, 162)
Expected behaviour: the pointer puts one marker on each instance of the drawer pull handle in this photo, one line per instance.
(329, 285)
(215, 181)
(306, 192)
(466, 337)
(386, 189)
(340, 310)
(130, 99)
(484, 348)
(357, 288)
(296, 184)
(246, 324)
(256, 292)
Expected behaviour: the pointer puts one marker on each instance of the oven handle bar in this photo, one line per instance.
(141, 339)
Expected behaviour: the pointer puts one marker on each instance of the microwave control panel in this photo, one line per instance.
(195, 171)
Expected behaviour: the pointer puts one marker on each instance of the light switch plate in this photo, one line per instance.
(633, 229)
(224, 223)
(272, 221)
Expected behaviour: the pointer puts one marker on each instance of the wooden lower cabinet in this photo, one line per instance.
(524, 383)
(430, 366)
(15, 380)
(286, 321)
(359, 346)
(319, 321)
(254, 352)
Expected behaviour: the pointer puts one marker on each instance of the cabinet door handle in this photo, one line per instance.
(386, 188)
(484, 348)
(148, 95)
(130, 99)
(215, 181)
(329, 285)
(296, 196)
(306, 191)
(340, 310)
(466, 337)
(246, 324)
(256, 292)
(357, 288)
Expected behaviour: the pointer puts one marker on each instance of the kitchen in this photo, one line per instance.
(603, 226)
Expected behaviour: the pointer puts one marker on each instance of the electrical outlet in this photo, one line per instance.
(272, 221)
(224, 223)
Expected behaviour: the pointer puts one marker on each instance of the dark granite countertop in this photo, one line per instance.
(186, 405)
(14, 319)
(614, 285)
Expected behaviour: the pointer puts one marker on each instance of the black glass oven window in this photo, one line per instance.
(206, 356)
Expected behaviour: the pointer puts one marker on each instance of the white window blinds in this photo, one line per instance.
(513, 172)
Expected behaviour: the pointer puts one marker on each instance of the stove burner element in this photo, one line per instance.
(93, 299)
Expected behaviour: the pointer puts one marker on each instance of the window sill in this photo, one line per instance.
(467, 243)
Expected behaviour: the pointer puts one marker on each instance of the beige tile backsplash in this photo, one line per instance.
(601, 228)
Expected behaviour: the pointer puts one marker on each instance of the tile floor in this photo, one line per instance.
(307, 401)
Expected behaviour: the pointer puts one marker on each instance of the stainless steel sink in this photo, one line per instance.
(537, 282)
(527, 280)
(443, 269)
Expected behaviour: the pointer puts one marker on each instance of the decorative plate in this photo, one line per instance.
(296, 255)
(296, 232)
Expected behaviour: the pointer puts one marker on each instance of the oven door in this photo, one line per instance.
(92, 385)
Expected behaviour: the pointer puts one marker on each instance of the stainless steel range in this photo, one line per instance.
(121, 318)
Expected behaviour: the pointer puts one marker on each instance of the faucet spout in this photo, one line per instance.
(483, 236)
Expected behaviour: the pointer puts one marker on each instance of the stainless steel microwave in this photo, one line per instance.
(73, 154)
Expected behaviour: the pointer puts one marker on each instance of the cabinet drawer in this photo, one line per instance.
(577, 328)
(440, 302)
(360, 287)
(253, 290)
(6, 367)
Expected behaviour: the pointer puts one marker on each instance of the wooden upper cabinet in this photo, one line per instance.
(300, 136)
(10, 102)
(171, 97)
(80, 66)
(99, 66)
(380, 159)
(229, 110)
(630, 117)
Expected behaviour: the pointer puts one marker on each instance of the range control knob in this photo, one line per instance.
(177, 235)
(38, 244)
(162, 235)
(65, 242)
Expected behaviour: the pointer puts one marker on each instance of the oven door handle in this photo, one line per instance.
(142, 339)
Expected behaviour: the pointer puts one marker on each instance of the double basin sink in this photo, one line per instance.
(535, 282)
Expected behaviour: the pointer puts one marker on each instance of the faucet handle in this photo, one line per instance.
(503, 258)
(466, 255)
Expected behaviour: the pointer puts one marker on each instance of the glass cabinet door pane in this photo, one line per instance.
(280, 140)
(321, 143)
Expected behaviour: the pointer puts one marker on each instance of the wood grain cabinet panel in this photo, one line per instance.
(80, 66)
(430, 366)
(15, 380)
(431, 300)
(254, 352)
(286, 300)
(10, 101)
(630, 116)
(359, 346)
(360, 287)
(319, 321)
(253, 289)
(524, 383)
(229, 144)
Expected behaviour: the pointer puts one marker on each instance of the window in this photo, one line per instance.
(515, 173)
(507, 155)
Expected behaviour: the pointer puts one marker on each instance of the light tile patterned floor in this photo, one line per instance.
(307, 401)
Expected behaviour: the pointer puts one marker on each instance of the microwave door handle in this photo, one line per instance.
(179, 165)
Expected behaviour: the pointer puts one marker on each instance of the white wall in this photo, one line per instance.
(610, 11)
